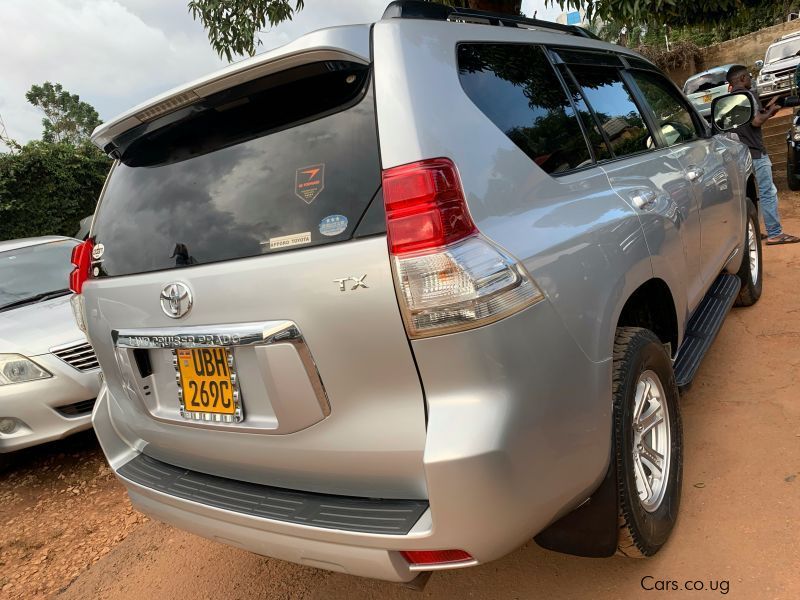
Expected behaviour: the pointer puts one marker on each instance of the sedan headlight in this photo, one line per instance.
(15, 368)
(767, 77)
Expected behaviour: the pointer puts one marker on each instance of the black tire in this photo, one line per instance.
(791, 178)
(643, 530)
(750, 291)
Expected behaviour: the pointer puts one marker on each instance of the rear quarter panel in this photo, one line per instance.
(579, 240)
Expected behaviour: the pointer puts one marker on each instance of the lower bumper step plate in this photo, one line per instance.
(347, 513)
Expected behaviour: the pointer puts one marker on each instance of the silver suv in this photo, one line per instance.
(395, 298)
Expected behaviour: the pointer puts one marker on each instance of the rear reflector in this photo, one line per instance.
(435, 557)
(82, 259)
(449, 278)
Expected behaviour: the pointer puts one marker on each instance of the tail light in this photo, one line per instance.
(421, 558)
(82, 259)
(449, 277)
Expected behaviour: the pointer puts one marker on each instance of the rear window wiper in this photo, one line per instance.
(37, 298)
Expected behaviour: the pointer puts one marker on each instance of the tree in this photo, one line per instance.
(66, 118)
(46, 189)
(674, 13)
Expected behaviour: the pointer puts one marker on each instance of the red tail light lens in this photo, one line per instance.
(435, 557)
(449, 277)
(425, 206)
(82, 259)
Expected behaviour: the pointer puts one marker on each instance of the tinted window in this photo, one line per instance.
(613, 104)
(34, 270)
(598, 142)
(635, 61)
(583, 57)
(672, 115)
(515, 86)
(278, 165)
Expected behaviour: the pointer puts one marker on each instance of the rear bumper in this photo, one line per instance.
(36, 405)
(512, 444)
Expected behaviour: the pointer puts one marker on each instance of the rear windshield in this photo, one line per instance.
(705, 82)
(29, 272)
(286, 162)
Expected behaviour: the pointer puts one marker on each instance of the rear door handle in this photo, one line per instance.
(643, 199)
(694, 173)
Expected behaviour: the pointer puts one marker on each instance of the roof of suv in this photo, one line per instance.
(348, 42)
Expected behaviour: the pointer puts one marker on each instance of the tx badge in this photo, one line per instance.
(357, 283)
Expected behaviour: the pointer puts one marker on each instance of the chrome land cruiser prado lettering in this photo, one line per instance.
(244, 334)
(178, 341)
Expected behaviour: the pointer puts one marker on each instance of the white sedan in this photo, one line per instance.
(49, 376)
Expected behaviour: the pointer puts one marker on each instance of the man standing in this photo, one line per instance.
(740, 80)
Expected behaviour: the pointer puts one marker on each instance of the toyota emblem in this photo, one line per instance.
(176, 300)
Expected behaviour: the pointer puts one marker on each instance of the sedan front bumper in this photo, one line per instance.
(48, 409)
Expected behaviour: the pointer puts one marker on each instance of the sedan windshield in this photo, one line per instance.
(35, 272)
(781, 51)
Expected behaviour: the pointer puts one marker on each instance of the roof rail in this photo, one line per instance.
(421, 9)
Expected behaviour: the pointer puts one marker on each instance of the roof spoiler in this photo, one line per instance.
(335, 43)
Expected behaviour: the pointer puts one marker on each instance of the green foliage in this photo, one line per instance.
(674, 13)
(66, 118)
(47, 188)
(232, 25)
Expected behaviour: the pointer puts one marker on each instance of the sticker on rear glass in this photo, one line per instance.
(296, 239)
(333, 225)
(309, 182)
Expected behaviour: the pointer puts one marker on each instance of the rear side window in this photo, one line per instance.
(598, 142)
(672, 114)
(285, 162)
(617, 113)
(515, 86)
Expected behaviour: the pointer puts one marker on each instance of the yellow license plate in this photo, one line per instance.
(206, 381)
(707, 98)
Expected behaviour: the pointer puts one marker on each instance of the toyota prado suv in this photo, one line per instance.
(398, 297)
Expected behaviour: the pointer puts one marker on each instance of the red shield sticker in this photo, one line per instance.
(309, 182)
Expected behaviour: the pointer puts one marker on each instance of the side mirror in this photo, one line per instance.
(759, 64)
(732, 110)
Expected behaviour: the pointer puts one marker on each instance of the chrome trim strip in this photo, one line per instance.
(70, 345)
(229, 336)
(731, 257)
(202, 336)
(443, 566)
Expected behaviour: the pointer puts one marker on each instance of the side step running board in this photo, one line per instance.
(703, 328)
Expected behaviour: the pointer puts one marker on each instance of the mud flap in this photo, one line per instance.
(591, 529)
